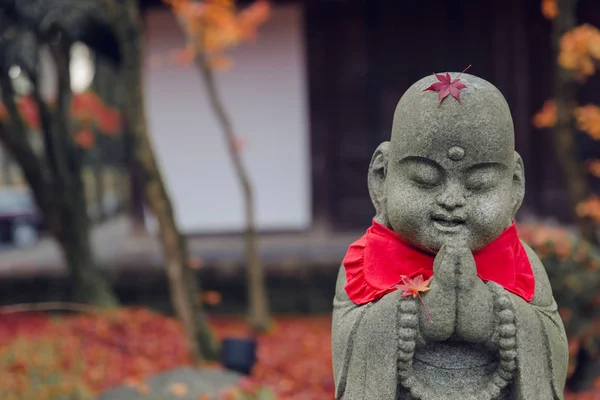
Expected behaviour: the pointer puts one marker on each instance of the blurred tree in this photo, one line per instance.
(185, 289)
(576, 51)
(54, 174)
(572, 263)
(211, 27)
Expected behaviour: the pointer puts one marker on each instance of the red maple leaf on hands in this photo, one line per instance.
(414, 287)
(446, 86)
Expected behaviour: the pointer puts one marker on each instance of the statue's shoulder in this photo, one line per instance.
(543, 291)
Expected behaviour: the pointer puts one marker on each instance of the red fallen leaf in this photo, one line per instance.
(414, 287)
(294, 361)
(447, 86)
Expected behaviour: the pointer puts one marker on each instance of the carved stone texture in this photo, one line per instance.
(449, 183)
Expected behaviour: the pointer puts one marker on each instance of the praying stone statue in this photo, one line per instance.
(440, 299)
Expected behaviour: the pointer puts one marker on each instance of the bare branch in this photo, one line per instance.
(46, 125)
(68, 156)
(14, 138)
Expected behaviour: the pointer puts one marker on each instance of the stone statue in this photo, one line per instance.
(446, 189)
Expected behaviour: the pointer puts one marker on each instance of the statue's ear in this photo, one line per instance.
(376, 180)
(518, 183)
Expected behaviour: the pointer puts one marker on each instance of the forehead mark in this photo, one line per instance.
(456, 153)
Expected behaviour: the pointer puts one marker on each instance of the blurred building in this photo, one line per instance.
(315, 95)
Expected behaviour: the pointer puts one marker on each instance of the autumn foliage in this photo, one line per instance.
(51, 358)
(580, 55)
(580, 50)
(213, 26)
(549, 9)
(588, 120)
(41, 357)
(88, 110)
(88, 114)
(210, 28)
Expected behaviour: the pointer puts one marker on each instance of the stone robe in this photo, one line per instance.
(365, 349)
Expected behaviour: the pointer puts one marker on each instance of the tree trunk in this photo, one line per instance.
(61, 202)
(563, 135)
(14, 138)
(7, 178)
(260, 320)
(90, 286)
(103, 85)
(135, 205)
(184, 287)
(99, 189)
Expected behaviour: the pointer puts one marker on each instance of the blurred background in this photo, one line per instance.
(180, 179)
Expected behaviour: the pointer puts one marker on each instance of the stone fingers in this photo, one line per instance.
(438, 304)
(474, 313)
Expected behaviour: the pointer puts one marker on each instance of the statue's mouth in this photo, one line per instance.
(448, 223)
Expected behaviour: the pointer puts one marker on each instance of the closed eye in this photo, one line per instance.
(479, 184)
(424, 180)
(422, 171)
(484, 176)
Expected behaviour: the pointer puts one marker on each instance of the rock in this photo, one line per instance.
(194, 382)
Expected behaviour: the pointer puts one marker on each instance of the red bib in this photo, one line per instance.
(375, 263)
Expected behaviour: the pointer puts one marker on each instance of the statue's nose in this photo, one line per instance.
(451, 197)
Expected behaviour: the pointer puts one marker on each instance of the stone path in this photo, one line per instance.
(189, 384)
(119, 250)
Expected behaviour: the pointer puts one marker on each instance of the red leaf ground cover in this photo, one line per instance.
(102, 351)
(128, 345)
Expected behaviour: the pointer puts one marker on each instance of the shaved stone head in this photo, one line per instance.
(450, 172)
(480, 124)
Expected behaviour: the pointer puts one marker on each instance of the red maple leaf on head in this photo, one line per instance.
(446, 86)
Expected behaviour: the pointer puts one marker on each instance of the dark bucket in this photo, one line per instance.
(238, 354)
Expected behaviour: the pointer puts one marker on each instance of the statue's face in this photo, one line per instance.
(450, 173)
(452, 187)
(451, 168)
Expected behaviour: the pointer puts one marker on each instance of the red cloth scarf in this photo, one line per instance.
(375, 263)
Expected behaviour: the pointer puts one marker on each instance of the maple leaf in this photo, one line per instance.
(447, 86)
(414, 287)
